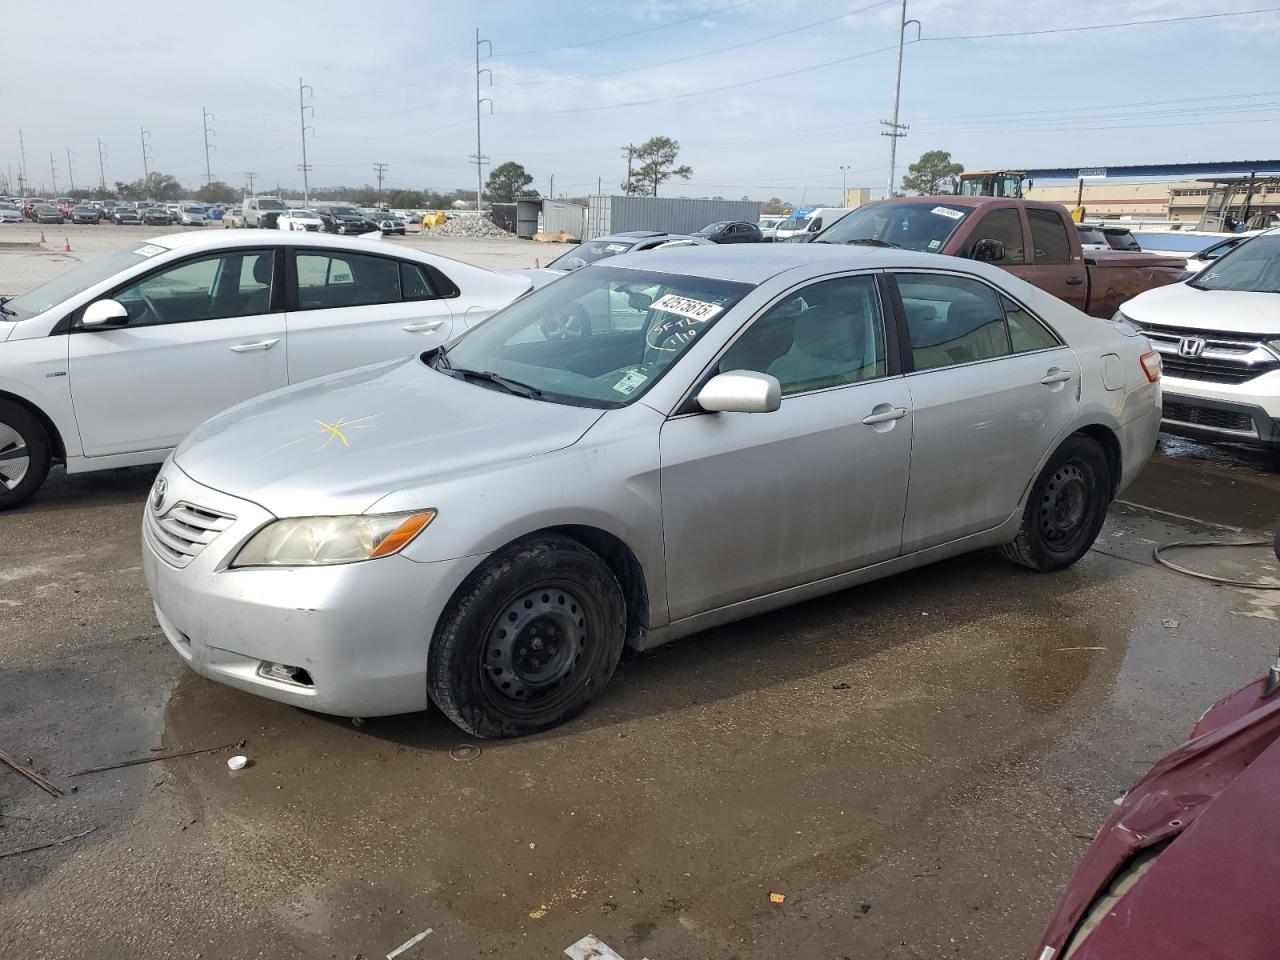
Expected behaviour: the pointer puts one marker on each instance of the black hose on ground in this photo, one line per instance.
(1226, 581)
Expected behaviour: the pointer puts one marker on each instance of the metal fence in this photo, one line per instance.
(607, 215)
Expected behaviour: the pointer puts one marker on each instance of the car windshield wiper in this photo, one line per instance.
(511, 386)
(5, 311)
(874, 242)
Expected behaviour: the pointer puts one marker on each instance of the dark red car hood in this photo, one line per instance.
(1213, 892)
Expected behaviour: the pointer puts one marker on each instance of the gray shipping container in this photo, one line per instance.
(560, 217)
(607, 215)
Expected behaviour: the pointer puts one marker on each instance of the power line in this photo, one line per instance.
(1102, 26)
(633, 33)
(705, 53)
(396, 113)
(698, 93)
(381, 170)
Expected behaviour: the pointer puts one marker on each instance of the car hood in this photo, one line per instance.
(339, 444)
(1209, 814)
(1234, 311)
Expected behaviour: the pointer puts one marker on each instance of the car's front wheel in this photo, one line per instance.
(25, 455)
(529, 641)
(1065, 509)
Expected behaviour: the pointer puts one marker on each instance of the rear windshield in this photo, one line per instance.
(590, 252)
(1252, 267)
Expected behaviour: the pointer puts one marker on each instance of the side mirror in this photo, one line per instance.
(104, 314)
(989, 251)
(741, 391)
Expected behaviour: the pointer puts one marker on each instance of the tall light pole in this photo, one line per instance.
(206, 116)
(844, 182)
(102, 169)
(478, 157)
(22, 164)
(893, 129)
(146, 155)
(302, 118)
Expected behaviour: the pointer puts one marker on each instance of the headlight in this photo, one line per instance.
(322, 541)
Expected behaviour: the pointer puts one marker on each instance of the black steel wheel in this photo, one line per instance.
(529, 640)
(1065, 509)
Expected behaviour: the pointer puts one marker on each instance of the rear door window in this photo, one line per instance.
(329, 280)
(1049, 234)
(952, 320)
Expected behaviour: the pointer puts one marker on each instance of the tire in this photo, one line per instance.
(569, 620)
(1065, 509)
(19, 479)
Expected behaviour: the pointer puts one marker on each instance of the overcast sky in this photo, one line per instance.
(575, 81)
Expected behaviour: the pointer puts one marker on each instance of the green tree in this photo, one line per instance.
(215, 191)
(157, 186)
(931, 173)
(508, 181)
(652, 164)
(776, 206)
(404, 199)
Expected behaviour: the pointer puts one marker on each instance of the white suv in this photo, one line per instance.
(1219, 337)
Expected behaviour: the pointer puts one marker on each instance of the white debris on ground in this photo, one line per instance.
(474, 228)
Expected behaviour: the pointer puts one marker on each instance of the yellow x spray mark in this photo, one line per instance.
(335, 431)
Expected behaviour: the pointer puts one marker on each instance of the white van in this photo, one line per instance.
(809, 220)
(254, 207)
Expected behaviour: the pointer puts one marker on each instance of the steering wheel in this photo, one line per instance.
(572, 323)
(151, 314)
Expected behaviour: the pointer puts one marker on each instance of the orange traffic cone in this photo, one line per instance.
(42, 236)
(66, 245)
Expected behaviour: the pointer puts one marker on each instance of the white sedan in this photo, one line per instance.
(301, 220)
(111, 364)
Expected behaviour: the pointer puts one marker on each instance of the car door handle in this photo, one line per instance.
(884, 416)
(429, 326)
(1074, 281)
(1056, 376)
(258, 345)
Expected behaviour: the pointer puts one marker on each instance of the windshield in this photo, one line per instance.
(797, 224)
(1091, 235)
(600, 337)
(344, 211)
(271, 205)
(49, 295)
(1175, 242)
(1252, 267)
(590, 252)
(912, 226)
(302, 213)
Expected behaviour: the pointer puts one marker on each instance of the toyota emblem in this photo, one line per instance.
(1191, 347)
(157, 494)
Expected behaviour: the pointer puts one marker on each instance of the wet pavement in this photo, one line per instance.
(915, 764)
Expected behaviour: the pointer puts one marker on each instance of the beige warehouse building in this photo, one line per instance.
(1181, 201)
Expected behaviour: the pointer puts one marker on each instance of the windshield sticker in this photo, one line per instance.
(630, 382)
(617, 248)
(698, 310)
(150, 250)
(934, 244)
(948, 212)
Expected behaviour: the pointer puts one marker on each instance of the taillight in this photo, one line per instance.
(1151, 365)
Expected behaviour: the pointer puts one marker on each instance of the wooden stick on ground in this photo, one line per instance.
(48, 843)
(158, 756)
(30, 774)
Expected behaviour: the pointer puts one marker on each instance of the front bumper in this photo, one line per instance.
(360, 631)
(1246, 412)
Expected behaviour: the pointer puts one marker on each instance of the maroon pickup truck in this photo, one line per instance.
(996, 230)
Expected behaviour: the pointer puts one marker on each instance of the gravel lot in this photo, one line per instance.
(916, 764)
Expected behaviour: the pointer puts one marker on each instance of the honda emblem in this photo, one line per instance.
(1191, 347)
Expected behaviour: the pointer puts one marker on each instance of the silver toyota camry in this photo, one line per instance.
(643, 449)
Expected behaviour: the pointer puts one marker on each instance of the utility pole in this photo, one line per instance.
(22, 164)
(381, 170)
(479, 158)
(146, 155)
(893, 129)
(71, 174)
(552, 194)
(208, 170)
(844, 182)
(302, 119)
(599, 186)
(53, 172)
(629, 151)
(249, 176)
(102, 169)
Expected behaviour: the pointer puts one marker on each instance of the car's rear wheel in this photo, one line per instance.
(529, 640)
(1065, 509)
(25, 455)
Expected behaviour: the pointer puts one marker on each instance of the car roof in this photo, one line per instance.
(756, 263)
(639, 234)
(201, 240)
